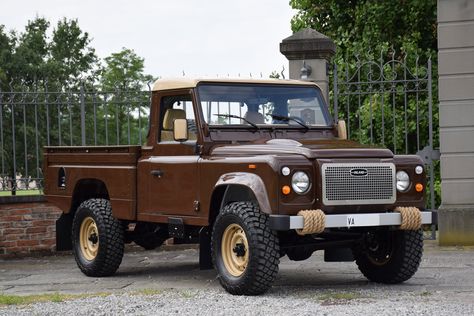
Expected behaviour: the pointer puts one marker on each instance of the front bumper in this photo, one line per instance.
(287, 222)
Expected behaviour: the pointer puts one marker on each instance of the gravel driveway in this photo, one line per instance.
(444, 285)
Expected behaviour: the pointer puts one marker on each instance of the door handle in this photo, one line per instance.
(157, 173)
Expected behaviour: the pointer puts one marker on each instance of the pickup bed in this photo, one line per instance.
(252, 170)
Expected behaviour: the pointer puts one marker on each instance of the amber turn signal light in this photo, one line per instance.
(419, 187)
(252, 166)
(285, 190)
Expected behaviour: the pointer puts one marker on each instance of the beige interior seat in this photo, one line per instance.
(168, 124)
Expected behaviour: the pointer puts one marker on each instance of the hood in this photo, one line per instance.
(310, 149)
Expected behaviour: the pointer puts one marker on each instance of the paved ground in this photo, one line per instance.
(446, 277)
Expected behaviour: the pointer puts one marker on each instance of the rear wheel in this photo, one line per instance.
(245, 251)
(98, 238)
(390, 256)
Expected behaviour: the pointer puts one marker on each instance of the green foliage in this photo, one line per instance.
(45, 77)
(395, 39)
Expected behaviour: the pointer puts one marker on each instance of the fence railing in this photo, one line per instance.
(32, 116)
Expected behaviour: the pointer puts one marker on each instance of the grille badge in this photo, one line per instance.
(359, 172)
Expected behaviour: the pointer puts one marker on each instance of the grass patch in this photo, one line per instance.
(187, 294)
(147, 292)
(6, 299)
(20, 192)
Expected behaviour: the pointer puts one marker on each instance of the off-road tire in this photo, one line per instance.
(264, 252)
(110, 238)
(402, 262)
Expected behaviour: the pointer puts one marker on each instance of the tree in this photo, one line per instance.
(123, 75)
(124, 70)
(361, 25)
(378, 31)
(71, 57)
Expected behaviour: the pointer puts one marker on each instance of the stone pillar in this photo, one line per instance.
(309, 52)
(456, 121)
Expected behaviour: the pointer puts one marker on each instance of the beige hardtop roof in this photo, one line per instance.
(170, 84)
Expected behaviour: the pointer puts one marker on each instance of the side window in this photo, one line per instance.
(176, 107)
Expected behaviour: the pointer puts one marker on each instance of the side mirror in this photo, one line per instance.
(180, 130)
(341, 129)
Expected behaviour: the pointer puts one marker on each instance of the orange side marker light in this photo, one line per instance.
(252, 166)
(419, 187)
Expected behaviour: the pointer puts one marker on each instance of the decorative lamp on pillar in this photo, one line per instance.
(309, 53)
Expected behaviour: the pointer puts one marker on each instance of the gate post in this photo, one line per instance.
(308, 53)
(456, 120)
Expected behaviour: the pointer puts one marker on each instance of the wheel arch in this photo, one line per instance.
(238, 186)
(84, 190)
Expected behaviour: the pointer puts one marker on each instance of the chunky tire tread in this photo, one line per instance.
(111, 238)
(403, 264)
(264, 258)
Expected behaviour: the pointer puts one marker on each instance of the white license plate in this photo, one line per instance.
(351, 221)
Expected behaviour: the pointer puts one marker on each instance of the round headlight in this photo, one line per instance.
(300, 182)
(403, 181)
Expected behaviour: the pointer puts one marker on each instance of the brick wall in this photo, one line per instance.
(27, 228)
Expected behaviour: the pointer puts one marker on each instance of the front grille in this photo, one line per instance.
(358, 184)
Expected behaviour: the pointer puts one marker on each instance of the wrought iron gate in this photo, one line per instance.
(389, 102)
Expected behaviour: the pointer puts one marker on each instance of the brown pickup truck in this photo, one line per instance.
(252, 170)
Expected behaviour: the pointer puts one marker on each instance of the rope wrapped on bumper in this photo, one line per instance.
(411, 217)
(314, 222)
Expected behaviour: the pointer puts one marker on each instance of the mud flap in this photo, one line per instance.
(63, 232)
(205, 258)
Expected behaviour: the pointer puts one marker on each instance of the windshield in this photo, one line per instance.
(248, 104)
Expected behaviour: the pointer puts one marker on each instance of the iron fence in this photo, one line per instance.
(32, 116)
(388, 101)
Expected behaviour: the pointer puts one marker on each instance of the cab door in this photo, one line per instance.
(171, 168)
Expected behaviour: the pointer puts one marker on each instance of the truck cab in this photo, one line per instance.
(252, 170)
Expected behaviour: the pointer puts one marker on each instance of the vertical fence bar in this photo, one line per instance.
(417, 89)
(106, 117)
(359, 99)
(347, 94)
(46, 101)
(1, 139)
(83, 116)
(117, 104)
(405, 106)
(382, 93)
(58, 103)
(13, 144)
(336, 93)
(139, 105)
(127, 102)
(394, 112)
(94, 104)
(37, 141)
(69, 108)
(25, 144)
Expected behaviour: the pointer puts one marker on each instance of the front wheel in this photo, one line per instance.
(97, 238)
(245, 251)
(389, 256)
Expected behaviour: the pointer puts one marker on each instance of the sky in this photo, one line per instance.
(202, 38)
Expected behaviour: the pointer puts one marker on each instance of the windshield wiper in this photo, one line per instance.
(290, 118)
(239, 117)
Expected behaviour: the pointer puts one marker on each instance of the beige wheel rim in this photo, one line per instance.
(234, 249)
(89, 238)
